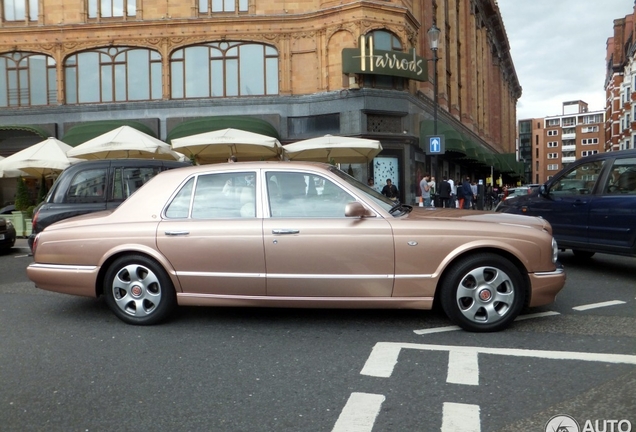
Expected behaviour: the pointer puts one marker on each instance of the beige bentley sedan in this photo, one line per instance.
(287, 234)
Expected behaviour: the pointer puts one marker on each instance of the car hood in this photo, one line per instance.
(480, 216)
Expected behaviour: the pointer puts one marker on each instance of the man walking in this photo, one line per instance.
(390, 190)
(468, 193)
(444, 192)
(425, 187)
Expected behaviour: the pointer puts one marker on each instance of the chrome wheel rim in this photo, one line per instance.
(485, 295)
(136, 290)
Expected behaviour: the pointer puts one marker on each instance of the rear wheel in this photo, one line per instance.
(139, 291)
(483, 293)
(583, 254)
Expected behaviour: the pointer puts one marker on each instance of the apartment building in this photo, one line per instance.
(72, 69)
(620, 82)
(546, 145)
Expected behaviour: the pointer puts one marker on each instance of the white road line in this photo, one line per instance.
(384, 355)
(460, 418)
(463, 367)
(453, 328)
(598, 305)
(359, 413)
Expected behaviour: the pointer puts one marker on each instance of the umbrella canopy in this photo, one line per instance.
(334, 148)
(219, 145)
(47, 158)
(122, 143)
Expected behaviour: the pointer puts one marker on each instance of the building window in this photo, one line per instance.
(589, 141)
(384, 40)
(314, 125)
(221, 69)
(598, 118)
(116, 74)
(553, 132)
(589, 129)
(552, 144)
(554, 122)
(205, 6)
(18, 10)
(589, 152)
(553, 155)
(111, 8)
(553, 167)
(570, 121)
(27, 79)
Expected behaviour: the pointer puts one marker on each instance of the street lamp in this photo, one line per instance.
(433, 41)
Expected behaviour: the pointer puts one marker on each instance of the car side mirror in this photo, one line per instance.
(544, 190)
(356, 209)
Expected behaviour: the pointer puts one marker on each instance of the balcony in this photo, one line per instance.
(569, 136)
(566, 148)
(568, 159)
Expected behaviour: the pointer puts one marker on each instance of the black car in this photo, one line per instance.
(7, 234)
(591, 204)
(95, 185)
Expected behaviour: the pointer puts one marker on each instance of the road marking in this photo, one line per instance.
(598, 305)
(384, 356)
(359, 413)
(453, 328)
(460, 418)
(463, 367)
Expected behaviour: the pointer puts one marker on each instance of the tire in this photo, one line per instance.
(139, 291)
(582, 254)
(467, 286)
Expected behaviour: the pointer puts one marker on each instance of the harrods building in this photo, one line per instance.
(74, 69)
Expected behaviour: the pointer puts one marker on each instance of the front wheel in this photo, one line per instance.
(139, 291)
(483, 293)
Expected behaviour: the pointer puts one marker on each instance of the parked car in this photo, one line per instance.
(591, 204)
(7, 234)
(95, 185)
(7, 209)
(287, 234)
(521, 190)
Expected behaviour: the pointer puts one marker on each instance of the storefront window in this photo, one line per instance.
(27, 79)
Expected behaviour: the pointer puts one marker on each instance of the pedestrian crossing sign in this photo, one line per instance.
(435, 145)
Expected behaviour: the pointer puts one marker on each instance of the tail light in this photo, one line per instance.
(35, 244)
(34, 220)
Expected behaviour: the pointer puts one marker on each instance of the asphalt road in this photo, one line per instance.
(67, 364)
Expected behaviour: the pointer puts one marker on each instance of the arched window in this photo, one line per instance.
(116, 74)
(27, 79)
(384, 40)
(222, 69)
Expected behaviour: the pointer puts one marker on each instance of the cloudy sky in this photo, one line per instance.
(558, 48)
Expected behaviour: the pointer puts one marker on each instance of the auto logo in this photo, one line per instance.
(136, 291)
(562, 423)
(485, 295)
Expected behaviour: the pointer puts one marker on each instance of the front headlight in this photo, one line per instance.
(9, 224)
(555, 250)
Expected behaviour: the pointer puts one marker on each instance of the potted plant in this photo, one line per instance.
(22, 203)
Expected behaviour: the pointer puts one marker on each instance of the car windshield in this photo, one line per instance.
(367, 191)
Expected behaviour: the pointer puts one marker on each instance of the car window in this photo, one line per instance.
(87, 186)
(297, 194)
(579, 180)
(622, 177)
(127, 180)
(216, 196)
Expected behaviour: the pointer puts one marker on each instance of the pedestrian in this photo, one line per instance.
(425, 187)
(371, 182)
(460, 194)
(444, 192)
(452, 202)
(468, 193)
(473, 187)
(390, 190)
(232, 158)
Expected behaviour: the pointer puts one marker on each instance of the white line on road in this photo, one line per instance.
(384, 355)
(463, 367)
(453, 328)
(460, 418)
(359, 413)
(598, 305)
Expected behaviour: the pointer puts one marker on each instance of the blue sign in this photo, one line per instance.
(435, 145)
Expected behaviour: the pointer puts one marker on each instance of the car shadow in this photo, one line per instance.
(605, 263)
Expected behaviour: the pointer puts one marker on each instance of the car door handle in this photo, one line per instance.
(579, 202)
(285, 231)
(177, 233)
